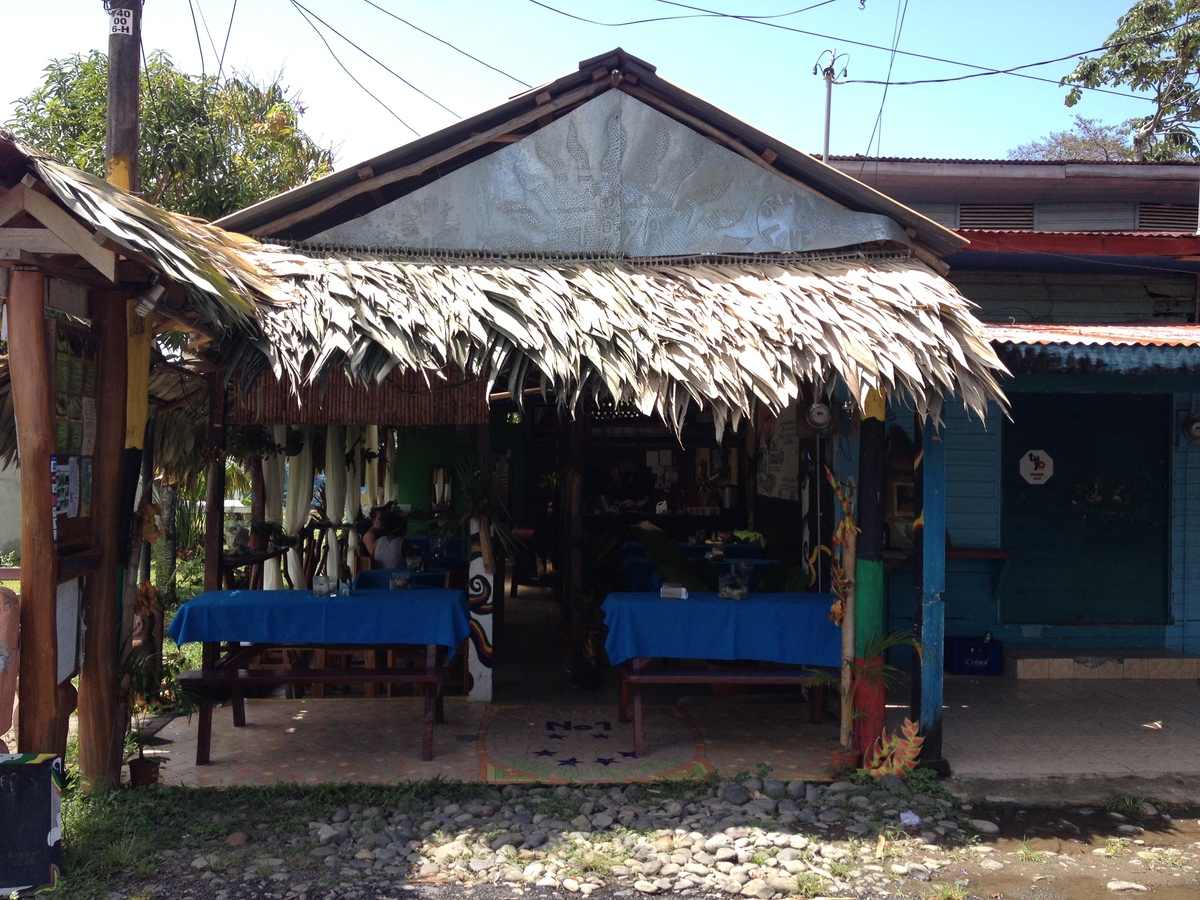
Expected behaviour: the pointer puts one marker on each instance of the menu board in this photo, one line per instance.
(76, 374)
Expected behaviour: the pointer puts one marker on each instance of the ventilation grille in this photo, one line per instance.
(996, 216)
(1166, 217)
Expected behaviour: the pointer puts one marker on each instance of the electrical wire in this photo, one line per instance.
(901, 14)
(381, 64)
(196, 29)
(982, 70)
(453, 47)
(699, 15)
(363, 87)
(225, 46)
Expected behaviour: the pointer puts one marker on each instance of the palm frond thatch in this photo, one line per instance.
(659, 334)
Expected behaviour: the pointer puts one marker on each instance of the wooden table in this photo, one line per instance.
(791, 629)
(236, 627)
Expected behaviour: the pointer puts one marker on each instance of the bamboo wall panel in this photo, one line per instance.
(403, 399)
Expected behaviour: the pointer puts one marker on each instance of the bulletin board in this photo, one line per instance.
(75, 364)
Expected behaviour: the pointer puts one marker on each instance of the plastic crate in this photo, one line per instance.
(974, 656)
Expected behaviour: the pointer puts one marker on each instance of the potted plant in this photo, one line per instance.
(140, 682)
(147, 692)
(870, 671)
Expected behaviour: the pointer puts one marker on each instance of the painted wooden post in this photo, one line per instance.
(101, 732)
(481, 593)
(33, 406)
(214, 498)
(930, 530)
(869, 593)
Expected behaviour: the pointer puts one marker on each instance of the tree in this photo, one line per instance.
(1088, 140)
(208, 147)
(1155, 50)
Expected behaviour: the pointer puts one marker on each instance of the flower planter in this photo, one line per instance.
(844, 761)
(143, 771)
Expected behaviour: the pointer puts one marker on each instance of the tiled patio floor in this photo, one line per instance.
(997, 727)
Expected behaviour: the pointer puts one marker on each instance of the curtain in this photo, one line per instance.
(273, 506)
(299, 504)
(335, 493)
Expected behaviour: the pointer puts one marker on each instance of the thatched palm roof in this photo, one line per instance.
(719, 332)
(662, 334)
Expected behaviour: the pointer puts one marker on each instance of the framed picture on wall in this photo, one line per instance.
(904, 498)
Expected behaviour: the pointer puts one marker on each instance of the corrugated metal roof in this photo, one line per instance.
(1179, 335)
(1016, 162)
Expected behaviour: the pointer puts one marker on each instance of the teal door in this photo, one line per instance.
(1085, 509)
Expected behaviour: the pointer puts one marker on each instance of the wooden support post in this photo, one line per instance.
(868, 581)
(101, 729)
(33, 406)
(929, 531)
(214, 502)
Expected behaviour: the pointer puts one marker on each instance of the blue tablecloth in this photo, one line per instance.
(425, 616)
(381, 579)
(783, 628)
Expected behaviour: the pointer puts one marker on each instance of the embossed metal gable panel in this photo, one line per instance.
(614, 177)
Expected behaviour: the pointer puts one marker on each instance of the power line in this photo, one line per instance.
(901, 14)
(982, 70)
(453, 47)
(196, 29)
(304, 15)
(707, 14)
(373, 59)
(225, 46)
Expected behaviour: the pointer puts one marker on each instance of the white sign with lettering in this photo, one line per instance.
(1037, 466)
(121, 21)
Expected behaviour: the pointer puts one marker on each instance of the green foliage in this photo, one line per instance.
(1088, 140)
(697, 575)
(208, 147)
(1154, 51)
(9, 560)
(925, 781)
(870, 669)
(1026, 853)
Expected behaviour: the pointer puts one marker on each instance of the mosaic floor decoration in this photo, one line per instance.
(586, 745)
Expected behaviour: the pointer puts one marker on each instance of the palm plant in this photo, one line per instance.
(868, 670)
(478, 496)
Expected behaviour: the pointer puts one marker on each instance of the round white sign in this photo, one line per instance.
(1036, 466)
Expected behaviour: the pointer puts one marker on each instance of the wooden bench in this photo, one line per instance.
(635, 675)
(203, 682)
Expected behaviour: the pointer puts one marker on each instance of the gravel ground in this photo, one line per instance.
(756, 838)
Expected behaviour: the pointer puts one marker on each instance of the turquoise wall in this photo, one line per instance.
(973, 519)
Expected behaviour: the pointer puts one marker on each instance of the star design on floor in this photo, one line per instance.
(569, 762)
(605, 762)
(600, 737)
(629, 754)
(558, 737)
(544, 753)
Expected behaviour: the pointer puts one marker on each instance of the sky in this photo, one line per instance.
(761, 72)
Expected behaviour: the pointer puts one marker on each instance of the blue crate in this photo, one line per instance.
(974, 656)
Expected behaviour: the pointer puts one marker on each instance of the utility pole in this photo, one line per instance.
(829, 72)
(124, 50)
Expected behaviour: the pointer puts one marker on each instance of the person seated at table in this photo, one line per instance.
(385, 539)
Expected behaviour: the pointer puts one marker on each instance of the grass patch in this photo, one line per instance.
(113, 838)
(1025, 853)
(948, 891)
(808, 885)
(1128, 804)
